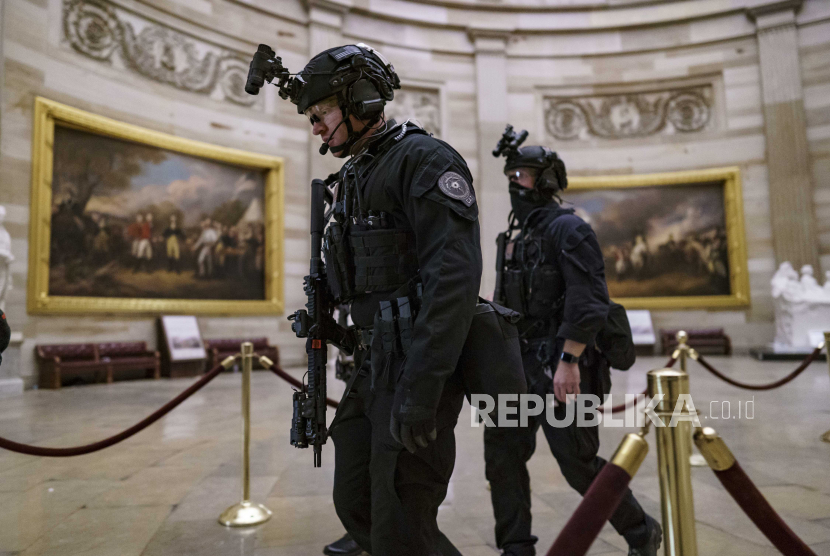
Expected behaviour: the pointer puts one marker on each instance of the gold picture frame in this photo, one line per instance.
(48, 114)
(738, 275)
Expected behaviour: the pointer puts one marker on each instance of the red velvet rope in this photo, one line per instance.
(597, 507)
(756, 507)
(800, 369)
(299, 385)
(124, 435)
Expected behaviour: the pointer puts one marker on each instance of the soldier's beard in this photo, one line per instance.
(524, 201)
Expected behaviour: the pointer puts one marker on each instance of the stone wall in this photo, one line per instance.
(467, 68)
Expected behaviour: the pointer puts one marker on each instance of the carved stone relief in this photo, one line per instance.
(621, 116)
(423, 105)
(108, 34)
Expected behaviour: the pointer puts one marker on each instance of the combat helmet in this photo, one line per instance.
(359, 76)
(551, 177)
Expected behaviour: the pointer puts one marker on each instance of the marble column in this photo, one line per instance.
(492, 114)
(788, 159)
(325, 21)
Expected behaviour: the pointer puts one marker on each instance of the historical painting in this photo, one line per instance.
(142, 221)
(669, 240)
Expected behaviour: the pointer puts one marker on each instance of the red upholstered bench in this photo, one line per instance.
(57, 361)
(219, 349)
(709, 341)
(129, 356)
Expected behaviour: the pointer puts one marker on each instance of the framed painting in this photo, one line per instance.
(129, 220)
(670, 241)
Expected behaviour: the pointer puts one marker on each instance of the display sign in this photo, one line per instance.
(642, 329)
(184, 341)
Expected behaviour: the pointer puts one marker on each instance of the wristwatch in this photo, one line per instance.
(569, 357)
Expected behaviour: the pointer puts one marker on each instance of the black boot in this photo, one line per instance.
(654, 539)
(345, 546)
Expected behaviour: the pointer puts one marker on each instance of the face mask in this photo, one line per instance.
(524, 201)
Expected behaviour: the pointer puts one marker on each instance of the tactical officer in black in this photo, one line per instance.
(552, 271)
(403, 250)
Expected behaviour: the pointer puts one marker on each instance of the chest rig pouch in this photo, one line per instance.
(531, 284)
(359, 262)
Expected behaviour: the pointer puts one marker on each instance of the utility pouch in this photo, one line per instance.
(491, 359)
(384, 345)
(405, 323)
(545, 283)
(339, 269)
(386, 328)
(514, 289)
(384, 260)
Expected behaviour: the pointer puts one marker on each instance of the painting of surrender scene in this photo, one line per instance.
(665, 241)
(131, 220)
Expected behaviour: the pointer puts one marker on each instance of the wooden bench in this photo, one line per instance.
(708, 341)
(57, 361)
(219, 349)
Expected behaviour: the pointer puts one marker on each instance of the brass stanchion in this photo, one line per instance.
(826, 436)
(673, 450)
(246, 513)
(682, 354)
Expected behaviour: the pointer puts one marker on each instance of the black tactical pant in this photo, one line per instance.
(507, 451)
(387, 498)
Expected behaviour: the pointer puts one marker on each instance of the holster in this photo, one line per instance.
(491, 359)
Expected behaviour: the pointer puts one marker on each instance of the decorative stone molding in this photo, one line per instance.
(108, 34)
(421, 104)
(621, 116)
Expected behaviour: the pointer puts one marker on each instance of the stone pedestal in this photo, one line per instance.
(10, 382)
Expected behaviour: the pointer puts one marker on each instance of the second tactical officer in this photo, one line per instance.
(404, 241)
(553, 273)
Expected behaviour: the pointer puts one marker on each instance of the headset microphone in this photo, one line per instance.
(324, 148)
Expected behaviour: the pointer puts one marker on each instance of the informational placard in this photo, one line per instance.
(642, 329)
(184, 341)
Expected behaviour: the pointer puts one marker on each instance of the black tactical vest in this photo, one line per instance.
(531, 282)
(364, 251)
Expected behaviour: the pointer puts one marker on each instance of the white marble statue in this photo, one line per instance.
(6, 259)
(802, 307)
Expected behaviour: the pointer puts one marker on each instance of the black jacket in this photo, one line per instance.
(403, 178)
(571, 244)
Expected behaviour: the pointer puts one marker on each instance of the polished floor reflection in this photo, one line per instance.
(161, 492)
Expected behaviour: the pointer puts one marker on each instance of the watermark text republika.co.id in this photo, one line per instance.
(588, 410)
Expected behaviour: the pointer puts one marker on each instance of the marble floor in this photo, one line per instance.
(160, 493)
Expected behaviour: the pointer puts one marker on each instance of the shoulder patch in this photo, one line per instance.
(453, 185)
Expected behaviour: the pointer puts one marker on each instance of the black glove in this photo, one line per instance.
(412, 425)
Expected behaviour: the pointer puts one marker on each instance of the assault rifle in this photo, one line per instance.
(317, 325)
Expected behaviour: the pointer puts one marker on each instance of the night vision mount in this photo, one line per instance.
(510, 142)
(267, 66)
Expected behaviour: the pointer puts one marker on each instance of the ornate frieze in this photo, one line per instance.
(421, 104)
(106, 33)
(621, 116)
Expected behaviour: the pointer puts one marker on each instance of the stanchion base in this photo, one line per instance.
(697, 460)
(245, 514)
(826, 437)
